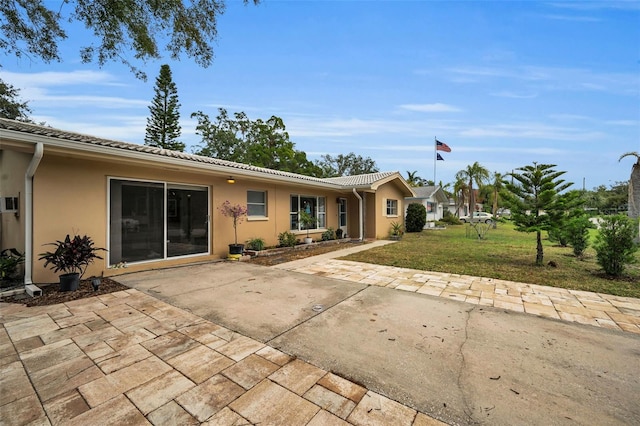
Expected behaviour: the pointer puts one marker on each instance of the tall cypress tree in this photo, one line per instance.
(163, 127)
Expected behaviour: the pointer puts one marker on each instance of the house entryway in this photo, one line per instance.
(342, 215)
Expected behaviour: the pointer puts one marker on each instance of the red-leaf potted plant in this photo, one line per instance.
(71, 256)
(237, 212)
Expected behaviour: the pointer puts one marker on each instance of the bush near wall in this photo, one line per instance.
(416, 217)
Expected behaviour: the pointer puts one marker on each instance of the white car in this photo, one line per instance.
(478, 217)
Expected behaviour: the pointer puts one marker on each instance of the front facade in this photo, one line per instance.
(153, 208)
(434, 200)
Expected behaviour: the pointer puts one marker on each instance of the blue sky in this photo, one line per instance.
(502, 83)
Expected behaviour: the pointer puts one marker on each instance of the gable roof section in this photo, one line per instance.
(32, 133)
(424, 192)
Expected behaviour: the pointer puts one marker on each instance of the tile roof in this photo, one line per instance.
(35, 129)
(359, 180)
(344, 182)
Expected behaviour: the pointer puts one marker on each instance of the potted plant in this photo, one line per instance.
(237, 212)
(71, 256)
(339, 233)
(397, 230)
(307, 221)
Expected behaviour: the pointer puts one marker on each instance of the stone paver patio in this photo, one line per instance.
(601, 310)
(128, 358)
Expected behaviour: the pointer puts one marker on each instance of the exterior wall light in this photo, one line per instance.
(230, 179)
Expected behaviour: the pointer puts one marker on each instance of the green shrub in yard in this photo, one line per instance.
(328, 235)
(450, 219)
(287, 239)
(577, 231)
(255, 244)
(614, 244)
(416, 217)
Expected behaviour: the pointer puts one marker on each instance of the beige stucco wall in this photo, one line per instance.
(383, 222)
(13, 165)
(70, 197)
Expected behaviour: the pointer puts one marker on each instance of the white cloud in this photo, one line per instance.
(513, 95)
(572, 18)
(437, 107)
(531, 131)
(50, 79)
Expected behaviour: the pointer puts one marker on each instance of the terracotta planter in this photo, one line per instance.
(69, 282)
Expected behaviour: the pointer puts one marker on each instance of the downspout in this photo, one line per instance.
(28, 212)
(360, 214)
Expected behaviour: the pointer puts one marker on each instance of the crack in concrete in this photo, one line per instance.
(468, 411)
(268, 342)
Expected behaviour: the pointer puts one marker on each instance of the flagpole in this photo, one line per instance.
(435, 157)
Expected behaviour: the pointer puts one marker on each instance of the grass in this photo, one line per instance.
(504, 254)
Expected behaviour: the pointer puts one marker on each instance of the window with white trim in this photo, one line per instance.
(392, 207)
(315, 206)
(257, 203)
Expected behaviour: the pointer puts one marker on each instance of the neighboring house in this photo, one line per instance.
(154, 208)
(433, 198)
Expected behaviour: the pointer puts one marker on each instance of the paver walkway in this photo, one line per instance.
(602, 310)
(127, 358)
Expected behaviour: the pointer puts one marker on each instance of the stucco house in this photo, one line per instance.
(151, 207)
(433, 198)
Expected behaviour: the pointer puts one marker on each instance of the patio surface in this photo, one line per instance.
(130, 358)
(597, 309)
(127, 358)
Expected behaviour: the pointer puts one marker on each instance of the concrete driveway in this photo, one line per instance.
(460, 363)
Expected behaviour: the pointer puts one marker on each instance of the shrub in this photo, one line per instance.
(559, 235)
(287, 239)
(577, 232)
(328, 235)
(450, 219)
(10, 259)
(396, 229)
(416, 217)
(255, 244)
(339, 233)
(614, 244)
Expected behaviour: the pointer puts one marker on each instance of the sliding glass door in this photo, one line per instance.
(155, 220)
(187, 224)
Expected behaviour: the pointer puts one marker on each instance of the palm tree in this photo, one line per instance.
(413, 179)
(460, 193)
(634, 185)
(473, 173)
(497, 186)
(634, 188)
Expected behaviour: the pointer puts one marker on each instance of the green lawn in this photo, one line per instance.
(504, 254)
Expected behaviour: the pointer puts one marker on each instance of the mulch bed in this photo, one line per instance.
(52, 295)
(290, 254)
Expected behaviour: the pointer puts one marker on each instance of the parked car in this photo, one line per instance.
(478, 217)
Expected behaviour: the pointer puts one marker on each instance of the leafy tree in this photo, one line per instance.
(163, 126)
(10, 105)
(33, 28)
(534, 200)
(473, 173)
(614, 244)
(259, 143)
(345, 165)
(416, 217)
